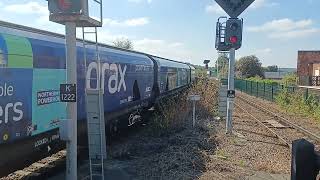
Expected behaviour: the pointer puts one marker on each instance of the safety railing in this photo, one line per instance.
(315, 80)
(269, 91)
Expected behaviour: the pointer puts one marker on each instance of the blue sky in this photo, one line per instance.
(184, 30)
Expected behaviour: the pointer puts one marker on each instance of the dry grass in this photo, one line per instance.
(208, 90)
(174, 112)
(170, 148)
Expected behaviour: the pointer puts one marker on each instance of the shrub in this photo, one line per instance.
(172, 113)
(297, 103)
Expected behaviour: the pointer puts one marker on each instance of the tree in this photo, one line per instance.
(123, 43)
(273, 68)
(249, 66)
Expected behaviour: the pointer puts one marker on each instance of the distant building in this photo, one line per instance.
(282, 72)
(309, 68)
(275, 75)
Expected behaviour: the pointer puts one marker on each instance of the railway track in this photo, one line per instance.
(41, 169)
(285, 130)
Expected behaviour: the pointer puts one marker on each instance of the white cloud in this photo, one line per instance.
(262, 3)
(162, 48)
(108, 38)
(127, 23)
(286, 28)
(301, 33)
(140, 1)
(263, 51)
(27, 8)
(282, 25)
(171, 50)
(214, 8)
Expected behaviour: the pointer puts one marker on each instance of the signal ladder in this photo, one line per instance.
(95, 113)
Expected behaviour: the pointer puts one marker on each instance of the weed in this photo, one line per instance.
(242, 163)
(297, 103)
(221, 154)
(172, 113)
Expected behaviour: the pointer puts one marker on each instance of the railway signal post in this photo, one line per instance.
(72, 14)
(229, 38)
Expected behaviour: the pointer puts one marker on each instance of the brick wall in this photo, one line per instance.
(305, 69)
(305, 58)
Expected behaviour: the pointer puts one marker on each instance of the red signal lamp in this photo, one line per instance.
(233, 39)
(64, 4)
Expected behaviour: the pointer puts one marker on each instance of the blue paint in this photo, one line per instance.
(49, 55)
(128, 79)
(15, 111)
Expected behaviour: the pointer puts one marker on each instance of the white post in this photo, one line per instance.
(230, 87)
(71, 173)
(194, 113)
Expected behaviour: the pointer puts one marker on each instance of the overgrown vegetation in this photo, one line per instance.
(173, 113)
(222, 64)
(200, 71)
(299, 102)
(170, 116)
(208, 90)
(292, 98)
(261, 80)
(290, 80)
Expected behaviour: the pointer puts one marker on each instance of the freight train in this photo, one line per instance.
(32, 67)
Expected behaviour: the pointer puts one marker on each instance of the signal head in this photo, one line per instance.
(234, 33)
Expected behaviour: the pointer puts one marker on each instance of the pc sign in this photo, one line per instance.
(234, 7)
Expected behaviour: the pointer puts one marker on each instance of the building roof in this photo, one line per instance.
(275, 75)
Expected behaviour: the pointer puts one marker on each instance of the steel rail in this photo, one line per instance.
(297, 127)
(288, 144)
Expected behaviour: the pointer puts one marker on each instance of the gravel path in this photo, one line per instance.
(308, 123)
(287, 134)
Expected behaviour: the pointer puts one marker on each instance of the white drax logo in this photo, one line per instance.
(110, 74)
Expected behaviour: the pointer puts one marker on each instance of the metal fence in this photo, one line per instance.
(270, 91)
(315, 80)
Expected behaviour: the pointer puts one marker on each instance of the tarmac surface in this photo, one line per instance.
(83, 172)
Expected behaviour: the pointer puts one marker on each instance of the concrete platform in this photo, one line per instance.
(267, 176)
(83, 172)
(311, 87)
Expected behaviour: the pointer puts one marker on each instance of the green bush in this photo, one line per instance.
(260, 80)
(283, 98)
(297, 103)
(290, 80)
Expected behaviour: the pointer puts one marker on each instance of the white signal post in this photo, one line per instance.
(71, 106)
(72, 14)
(230, 101)
(233, 8)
